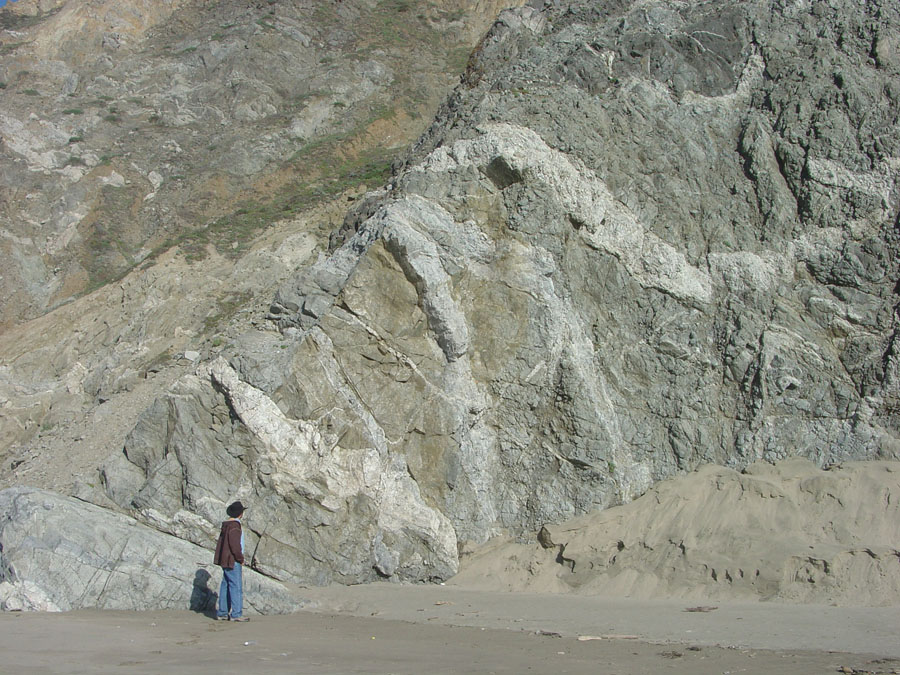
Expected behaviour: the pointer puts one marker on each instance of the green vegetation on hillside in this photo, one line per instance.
(232, 234)
(358, 81)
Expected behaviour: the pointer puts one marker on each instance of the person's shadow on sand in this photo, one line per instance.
(203, 598)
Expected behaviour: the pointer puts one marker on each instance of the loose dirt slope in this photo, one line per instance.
(788, 532)
(160, 176)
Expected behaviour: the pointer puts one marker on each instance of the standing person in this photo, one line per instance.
(230, 557)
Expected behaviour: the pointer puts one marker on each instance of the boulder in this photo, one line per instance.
(58, 554)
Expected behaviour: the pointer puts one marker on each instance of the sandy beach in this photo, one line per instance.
(786, 569)
(391, 628)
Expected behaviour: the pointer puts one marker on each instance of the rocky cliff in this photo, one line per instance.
(60, 554)
(639, 237)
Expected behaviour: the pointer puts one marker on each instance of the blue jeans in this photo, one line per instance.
(231, 597)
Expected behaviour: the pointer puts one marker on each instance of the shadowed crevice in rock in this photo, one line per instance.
(502, 174)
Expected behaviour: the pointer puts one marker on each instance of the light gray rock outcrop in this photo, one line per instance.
(321, 509)
(639, 237)
(58, 554)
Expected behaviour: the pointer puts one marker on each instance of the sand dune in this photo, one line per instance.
(788, 532)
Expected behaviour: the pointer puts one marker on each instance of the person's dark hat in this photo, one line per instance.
(236, 509)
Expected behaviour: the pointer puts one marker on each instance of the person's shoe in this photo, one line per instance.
(241, 618)
(221, 618)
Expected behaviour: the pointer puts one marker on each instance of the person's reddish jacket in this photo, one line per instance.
(228, 548)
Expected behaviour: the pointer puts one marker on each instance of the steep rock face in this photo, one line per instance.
(322, 511)
(638, 238)
(62, 373)
(160, 141)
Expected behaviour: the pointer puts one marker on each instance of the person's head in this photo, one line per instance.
(235, 510)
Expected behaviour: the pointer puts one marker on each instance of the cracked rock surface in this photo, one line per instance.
(635, 240)
(61, 554)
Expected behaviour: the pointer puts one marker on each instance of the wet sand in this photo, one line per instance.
(388, 628)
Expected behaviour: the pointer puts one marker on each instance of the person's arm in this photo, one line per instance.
(234, 543)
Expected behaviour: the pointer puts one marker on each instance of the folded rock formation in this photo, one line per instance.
(638, 238)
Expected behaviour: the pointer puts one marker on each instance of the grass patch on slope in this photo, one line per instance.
(231, 235)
